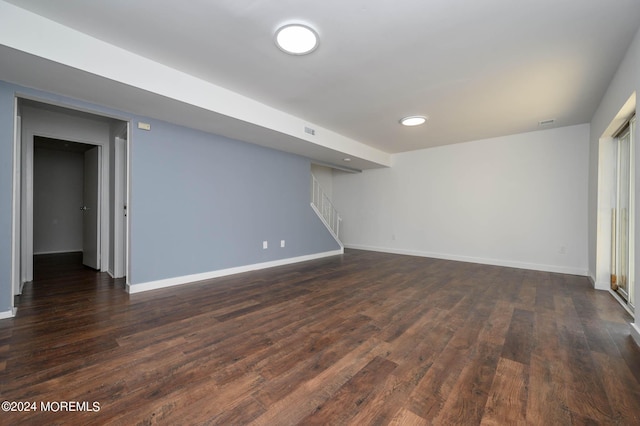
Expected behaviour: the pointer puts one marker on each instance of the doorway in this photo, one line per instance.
(65, 199)
(101, 206)
(622, 226)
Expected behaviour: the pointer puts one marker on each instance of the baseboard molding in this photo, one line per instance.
(8, 314)
(187, 279)
(599, 285)
(57, 252)
(635, 333)
(483, 261)
(602, 285)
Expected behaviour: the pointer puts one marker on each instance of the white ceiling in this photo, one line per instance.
(478, 69)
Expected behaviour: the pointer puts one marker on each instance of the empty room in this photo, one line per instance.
(337, 213)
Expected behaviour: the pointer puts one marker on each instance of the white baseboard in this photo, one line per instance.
(8, 314)
(635, 333)
(494, 262)
(599, 285)
(186, 279)
(602, 285)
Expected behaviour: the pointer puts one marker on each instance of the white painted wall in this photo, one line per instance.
(57, 198)
(518, 200)
(625, 83)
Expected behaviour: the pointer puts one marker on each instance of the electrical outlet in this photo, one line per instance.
(265, 245)
(281, 243)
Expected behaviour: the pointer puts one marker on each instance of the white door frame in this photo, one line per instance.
(27, 197)
(16, 282)
(22, 218)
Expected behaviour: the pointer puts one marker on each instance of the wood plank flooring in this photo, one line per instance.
(363, 338)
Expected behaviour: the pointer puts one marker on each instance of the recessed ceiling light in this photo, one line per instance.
(414, 120)
(296, 39)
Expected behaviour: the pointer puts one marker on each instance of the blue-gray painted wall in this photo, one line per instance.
(202, 202)
(199, 202)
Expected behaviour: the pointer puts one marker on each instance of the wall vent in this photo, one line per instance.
(309, 130)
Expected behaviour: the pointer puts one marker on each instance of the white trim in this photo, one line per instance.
(187, 279)
(16, 282)
(8, 314)
(602, 285)
(598, 285)
(35, 128)
(127, 196)
(635, 332)
(494, 262)
(103, 194)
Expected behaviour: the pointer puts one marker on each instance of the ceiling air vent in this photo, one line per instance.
(546, 122)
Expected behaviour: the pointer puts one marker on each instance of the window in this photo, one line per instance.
(622, 227)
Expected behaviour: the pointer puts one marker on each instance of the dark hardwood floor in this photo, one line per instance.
(364, 338)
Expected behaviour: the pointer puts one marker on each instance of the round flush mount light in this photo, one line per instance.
(414, 120)
(296, 39)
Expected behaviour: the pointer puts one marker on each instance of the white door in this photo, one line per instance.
(91, 209)
(120, 208)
